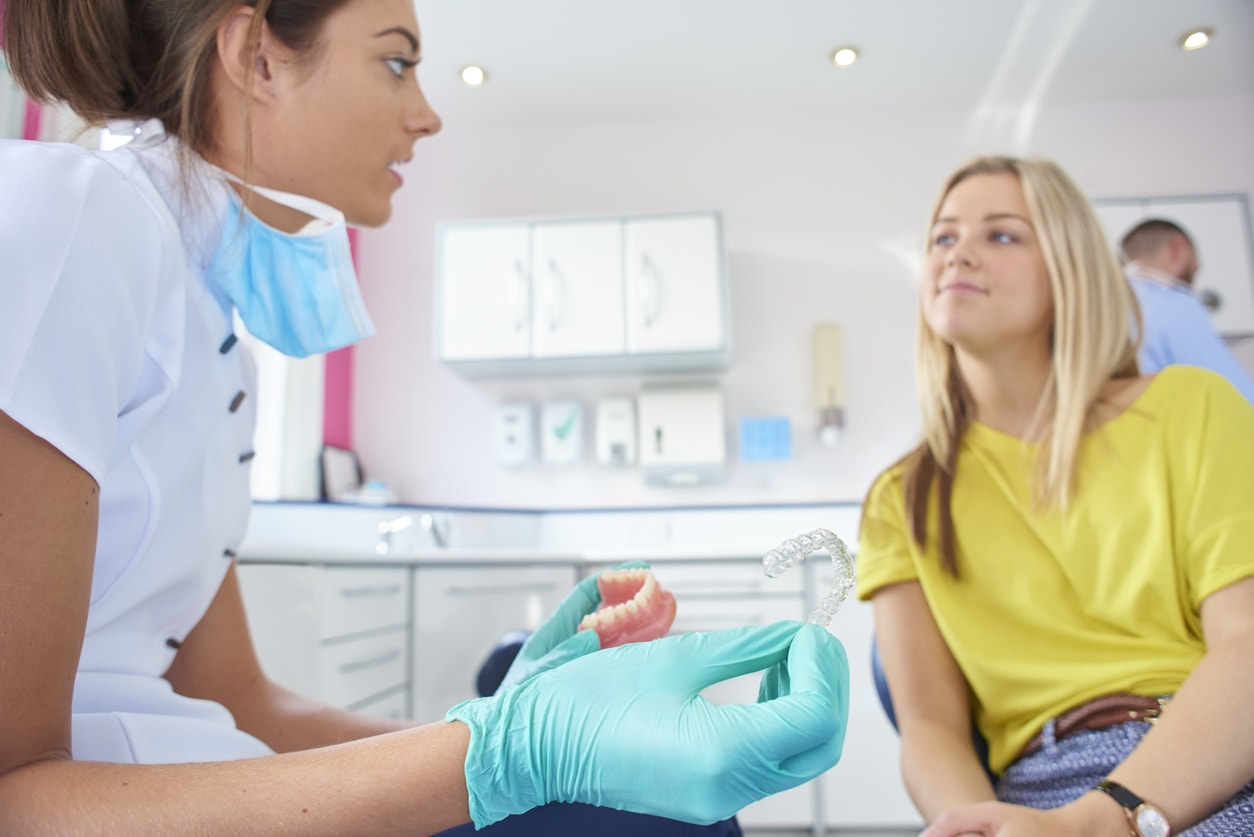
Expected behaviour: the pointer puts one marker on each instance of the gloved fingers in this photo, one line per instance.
(707, 658)
(817, 663)
(578, 645)
(805, 766)
(583, 599)
(561, 631)
(804, 722)
(775, 682)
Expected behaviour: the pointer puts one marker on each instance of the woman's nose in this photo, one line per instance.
(422, 120)
(959, 254)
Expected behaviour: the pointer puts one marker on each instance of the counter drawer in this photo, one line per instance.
(359, 669)
(394, 705)
(721, 577)
(358, 600)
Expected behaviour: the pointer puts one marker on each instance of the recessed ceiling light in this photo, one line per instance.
(474, 75)
(844, 56)
(1196, 39)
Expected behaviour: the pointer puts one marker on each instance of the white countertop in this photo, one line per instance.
(292, 553)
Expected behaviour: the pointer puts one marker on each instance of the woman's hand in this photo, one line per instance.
(1000, 819)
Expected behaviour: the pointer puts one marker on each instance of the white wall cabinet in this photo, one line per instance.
(485, 306)
(1220, 227)
(675, 293)
(336, 634)
(631, 293)
(577, 275)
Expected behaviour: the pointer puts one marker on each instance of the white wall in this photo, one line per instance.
(823, 223)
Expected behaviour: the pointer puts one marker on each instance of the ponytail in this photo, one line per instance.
(74, 51)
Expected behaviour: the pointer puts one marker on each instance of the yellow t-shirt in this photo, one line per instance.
(1052, 610)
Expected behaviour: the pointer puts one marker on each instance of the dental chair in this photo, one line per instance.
(562, 818)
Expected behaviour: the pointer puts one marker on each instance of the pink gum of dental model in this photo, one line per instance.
(634, 608)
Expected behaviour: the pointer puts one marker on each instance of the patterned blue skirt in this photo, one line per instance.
(1062, 771)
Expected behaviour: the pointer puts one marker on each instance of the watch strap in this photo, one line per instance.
(1144, 819)
(1120, 794)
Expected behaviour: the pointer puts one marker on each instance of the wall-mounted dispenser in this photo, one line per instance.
(514, 433)
(829, 382)
(616, 431)
(682, 439)
(561, 432)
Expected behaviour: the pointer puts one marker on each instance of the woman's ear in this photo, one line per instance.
(237, 57)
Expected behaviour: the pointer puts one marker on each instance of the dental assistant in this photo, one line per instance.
(131, 693)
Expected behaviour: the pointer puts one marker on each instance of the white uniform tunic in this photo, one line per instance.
(115, 349)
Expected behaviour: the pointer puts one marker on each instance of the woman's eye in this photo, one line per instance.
(398, 65)
(1003, 238)
(942, 240)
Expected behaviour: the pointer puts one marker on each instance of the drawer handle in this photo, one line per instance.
(373, 662)
(703, 623)
(457, 590)
(358, 592)
(719, 584)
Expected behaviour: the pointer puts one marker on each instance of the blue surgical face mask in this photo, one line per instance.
(296, 292)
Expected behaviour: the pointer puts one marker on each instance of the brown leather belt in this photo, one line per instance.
(1101, 713)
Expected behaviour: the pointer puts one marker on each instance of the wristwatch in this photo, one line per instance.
(1144, 819)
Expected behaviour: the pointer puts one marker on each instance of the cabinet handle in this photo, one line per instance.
(715, 621)
(357, 592)
(554, 293)
(492, 589)
(373, 662)
(522, 295)
(650, 290)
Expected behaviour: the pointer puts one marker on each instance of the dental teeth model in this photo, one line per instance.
(793, 551)
(634, 608)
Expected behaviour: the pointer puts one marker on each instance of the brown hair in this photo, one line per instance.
(1093, 340)
(1148, 237)
(139, 59)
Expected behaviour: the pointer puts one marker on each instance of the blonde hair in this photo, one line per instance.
(1094, 339)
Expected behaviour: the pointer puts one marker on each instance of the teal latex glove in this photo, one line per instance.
(558, 639)
(626, 727)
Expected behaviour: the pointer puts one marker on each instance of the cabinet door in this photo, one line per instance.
(1220, 229)
(865, 788)
(284, 618)
(461, 613)
(484, 292)
(675, 289)
(577, 274)
(335, 634)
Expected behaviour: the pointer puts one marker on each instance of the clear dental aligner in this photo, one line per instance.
(793, 551)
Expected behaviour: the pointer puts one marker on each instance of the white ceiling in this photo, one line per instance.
(576, 61)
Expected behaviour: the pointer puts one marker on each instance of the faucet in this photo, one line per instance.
(387, 528)
(438, 526)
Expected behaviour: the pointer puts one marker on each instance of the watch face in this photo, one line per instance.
(1150, 822)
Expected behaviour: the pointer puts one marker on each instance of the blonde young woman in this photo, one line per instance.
(1067, 561)
(131, 701)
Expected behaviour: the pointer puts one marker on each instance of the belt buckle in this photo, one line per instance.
(1152, 715)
